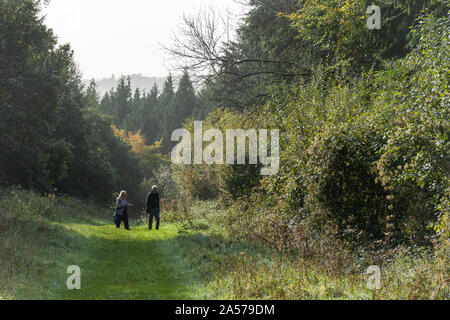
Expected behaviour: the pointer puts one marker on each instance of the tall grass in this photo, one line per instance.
(209, 240)
(240, 265)
(31, 236)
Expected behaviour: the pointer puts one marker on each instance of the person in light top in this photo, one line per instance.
(121, 211)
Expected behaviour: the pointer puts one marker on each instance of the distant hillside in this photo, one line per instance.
(137, 81)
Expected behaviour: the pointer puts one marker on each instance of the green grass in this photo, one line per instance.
(136, 264)
(198, 253)
(42, 241)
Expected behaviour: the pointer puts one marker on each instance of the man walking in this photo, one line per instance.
(153, 207)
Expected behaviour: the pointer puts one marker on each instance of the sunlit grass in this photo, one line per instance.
(115, 263)
(188, 258)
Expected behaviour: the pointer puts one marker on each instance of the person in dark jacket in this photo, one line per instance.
(121, 211)
(153, 207)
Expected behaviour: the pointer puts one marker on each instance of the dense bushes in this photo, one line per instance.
(366, 160)
(196, 181)
(341, 182)
(203, 181)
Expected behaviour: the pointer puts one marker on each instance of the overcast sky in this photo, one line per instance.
(122, 36)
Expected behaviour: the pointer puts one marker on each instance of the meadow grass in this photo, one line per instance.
(41, 237)
(194, 255)
(237, 267)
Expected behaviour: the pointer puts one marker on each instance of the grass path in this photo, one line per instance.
(40, 239)
(120, 264)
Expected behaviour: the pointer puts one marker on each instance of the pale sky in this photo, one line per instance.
(123, 36)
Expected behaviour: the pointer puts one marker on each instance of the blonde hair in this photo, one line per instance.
(123, 192)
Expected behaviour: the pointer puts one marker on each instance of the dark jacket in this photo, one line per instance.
(152, 200)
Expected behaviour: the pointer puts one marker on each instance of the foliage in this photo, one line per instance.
(369, 157)
(55, 135)
(204, 181)
(153, 114)
(339, 29)
(164, 180)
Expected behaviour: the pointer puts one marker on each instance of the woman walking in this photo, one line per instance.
(121, 212)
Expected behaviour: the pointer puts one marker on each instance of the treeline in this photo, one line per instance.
(363, 117)
(59, 136)
(145, 122)
(155, 114)
(54, 135)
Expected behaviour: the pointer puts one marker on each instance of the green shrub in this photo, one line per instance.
(341, 180)
(196, 181)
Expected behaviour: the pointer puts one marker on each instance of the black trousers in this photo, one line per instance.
(153, 212)
(123, 217)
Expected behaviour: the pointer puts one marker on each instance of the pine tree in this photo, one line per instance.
(122, 100)
(151, 127)
(185, 100)
(134, 121)
(165, 110)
